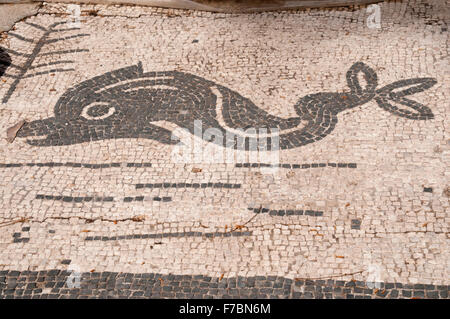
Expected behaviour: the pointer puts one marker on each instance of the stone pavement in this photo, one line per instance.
(348, 196)
(11, 13)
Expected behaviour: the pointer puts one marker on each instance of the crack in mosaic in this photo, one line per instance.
(99, 108)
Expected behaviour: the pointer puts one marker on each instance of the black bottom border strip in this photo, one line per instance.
(66, 284)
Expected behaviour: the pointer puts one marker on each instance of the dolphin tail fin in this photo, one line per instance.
(393, 100)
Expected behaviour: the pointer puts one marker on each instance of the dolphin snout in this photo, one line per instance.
(38, 132)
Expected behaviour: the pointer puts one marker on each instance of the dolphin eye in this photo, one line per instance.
(97, 111)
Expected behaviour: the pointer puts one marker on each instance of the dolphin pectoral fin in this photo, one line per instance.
(159, 134)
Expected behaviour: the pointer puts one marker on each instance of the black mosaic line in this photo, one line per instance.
(147, 198)
(18, 36)
(51, 63)
(39, 44)
(31, 285)
(76, 199)
(286, 212)
(42, 73)
(298, 166)
(65, 52)
(79, 199)
(169, 235)
(70, 164)
(98, 109)
(139, 164)
(189, 185)
(37, 26)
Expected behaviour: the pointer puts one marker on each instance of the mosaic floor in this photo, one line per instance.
(158, 153)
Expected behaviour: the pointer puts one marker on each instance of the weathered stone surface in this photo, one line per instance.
(353, 205)
(10, 13)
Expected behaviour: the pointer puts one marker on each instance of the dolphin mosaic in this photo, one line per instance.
(129, 103)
